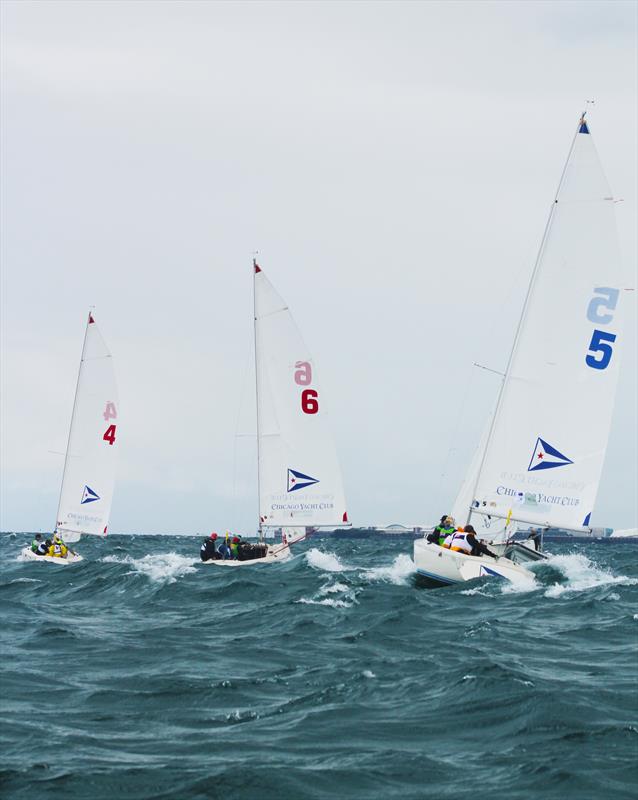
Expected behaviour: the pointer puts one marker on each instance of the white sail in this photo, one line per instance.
(89, 467)
(486, 526)
(299, 476)
(547, 441)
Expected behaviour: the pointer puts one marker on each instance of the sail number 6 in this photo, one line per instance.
(309, 397)
(601, 341)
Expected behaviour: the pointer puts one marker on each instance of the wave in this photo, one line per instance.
(327, 601)
(328, 562)
(334, 587)
(158, 567)
(320, 598)
(582, 575)
(398, 573)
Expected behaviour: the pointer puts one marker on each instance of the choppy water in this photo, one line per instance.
(140, 674)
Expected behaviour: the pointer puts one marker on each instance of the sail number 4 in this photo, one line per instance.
(309, 397)
(604, 301)
(110, 412)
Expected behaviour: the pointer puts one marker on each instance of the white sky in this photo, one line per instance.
(393, 163)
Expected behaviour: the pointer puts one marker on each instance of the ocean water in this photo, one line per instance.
(140, 674)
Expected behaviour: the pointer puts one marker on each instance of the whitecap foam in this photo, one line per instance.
(159, 567)
(582, 574)
(520, 584)
(332, 588)
(398, 572)
(327, 601)
(368, 673)
(328, 562)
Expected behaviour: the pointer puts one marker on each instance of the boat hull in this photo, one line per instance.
(28, 555)
(447, 566)
(275, 555)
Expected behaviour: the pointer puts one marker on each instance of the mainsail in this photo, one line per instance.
(545, 447)
(89, 466)
(298, 472)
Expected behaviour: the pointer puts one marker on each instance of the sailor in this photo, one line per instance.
(457, 541)
(535, 536)
(208, 550)
(234, 547)
(477, 547)
(224, 547)
(444, 529)
(38, 545)
(58, 549)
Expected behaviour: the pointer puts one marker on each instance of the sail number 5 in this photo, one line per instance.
(600, 348)
(309, 397)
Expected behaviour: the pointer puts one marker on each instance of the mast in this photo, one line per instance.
(257, 269)
(519, 328)
(90, 321)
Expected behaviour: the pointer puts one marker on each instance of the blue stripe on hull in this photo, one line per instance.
(435, 577)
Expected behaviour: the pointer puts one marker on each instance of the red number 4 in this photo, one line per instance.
(109, 434)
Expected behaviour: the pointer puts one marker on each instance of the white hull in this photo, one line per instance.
(28, 555)
(275, 555)
(448, 566)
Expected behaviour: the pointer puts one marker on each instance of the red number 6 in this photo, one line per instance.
(309, 401)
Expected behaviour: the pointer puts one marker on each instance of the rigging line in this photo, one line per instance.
(75, 402)
(255, 338)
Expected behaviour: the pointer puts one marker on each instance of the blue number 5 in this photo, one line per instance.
(598, 345)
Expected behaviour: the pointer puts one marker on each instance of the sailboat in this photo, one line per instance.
(298, 476)
(541, 456)
(88, 478)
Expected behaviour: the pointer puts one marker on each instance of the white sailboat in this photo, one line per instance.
(298, 474)
(540, 459)
(88, 478)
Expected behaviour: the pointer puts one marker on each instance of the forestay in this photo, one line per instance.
(299, 476)
(546, 446)
(89, 467)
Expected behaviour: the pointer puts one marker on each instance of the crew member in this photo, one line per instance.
(442, 530)
(478, 548)
(234, 548)
(535, 536)
(224, 547)
(38, 545)
(208, 550)
(58, 549)
(457, 541)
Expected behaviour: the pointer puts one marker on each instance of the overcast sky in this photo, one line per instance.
(393, 164)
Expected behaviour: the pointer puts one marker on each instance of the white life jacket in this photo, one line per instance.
(459, 540)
